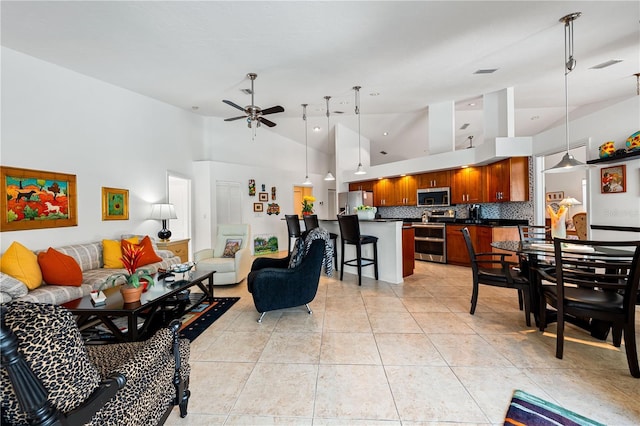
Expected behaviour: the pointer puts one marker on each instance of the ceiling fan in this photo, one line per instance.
(253, 113)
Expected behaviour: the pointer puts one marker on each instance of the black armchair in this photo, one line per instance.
(274, 285)
(49, 376)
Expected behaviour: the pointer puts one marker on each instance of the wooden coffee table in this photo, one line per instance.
(158, 305)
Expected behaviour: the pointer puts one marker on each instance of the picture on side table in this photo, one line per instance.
(115, 204)
(258, 207)
(34, 199)
(613, 179)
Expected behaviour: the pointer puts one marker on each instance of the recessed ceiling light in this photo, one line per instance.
(316, 129)
(385, 134)
(471, 104)
(465, 166)
(344, 102)
(486, 71)
(606, 64)
(374, 94)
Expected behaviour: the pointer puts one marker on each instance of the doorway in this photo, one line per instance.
(298, 193)
(179, 194)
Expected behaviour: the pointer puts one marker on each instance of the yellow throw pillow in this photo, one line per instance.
(22, 264)
(112, 252)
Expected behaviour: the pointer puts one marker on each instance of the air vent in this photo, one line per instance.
(338, 112)
(486, 71)
(383, 152)
(606, 64)
(464, 126)
(246, 91)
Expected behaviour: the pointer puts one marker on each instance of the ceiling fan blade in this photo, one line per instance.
(235, 118)
(266, 122)
(272, 110)
(233, 105)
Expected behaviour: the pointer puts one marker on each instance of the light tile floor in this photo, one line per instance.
(405, 354)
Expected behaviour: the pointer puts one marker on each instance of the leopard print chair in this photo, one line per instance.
(49, 376)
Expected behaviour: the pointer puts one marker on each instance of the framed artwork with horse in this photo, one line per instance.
(35, 199)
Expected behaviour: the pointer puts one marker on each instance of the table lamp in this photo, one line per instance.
(569, 201)
(163, 212)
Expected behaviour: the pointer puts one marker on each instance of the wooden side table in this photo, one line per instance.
(178, 247)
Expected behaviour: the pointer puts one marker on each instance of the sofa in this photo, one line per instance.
(230, 258)
(90, 258)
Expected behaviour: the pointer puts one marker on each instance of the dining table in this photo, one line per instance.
(540, 255)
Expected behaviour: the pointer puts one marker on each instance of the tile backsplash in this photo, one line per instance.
(515, 210)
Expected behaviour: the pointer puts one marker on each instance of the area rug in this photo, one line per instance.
(529, 410)
(202, 316)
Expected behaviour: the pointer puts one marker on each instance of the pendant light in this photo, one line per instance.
(307, 181)
(360, 169)
(329, 176)
(568, 162)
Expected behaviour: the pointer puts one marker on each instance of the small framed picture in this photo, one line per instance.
(258, 207)
(613, 179)
(115, 204)
(554, 196)
(263, 196)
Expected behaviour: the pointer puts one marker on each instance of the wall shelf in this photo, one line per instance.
(626, 157)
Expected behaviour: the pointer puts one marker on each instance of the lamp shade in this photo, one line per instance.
(570, 201)
(567, 164)
(163, 212)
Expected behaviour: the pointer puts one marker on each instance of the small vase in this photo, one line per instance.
(307, 213)
(559, 226)
(130, 294)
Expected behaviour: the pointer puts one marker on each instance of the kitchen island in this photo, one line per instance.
(389, 233)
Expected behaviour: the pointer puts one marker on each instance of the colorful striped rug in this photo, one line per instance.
(528, 410)
(197, 320)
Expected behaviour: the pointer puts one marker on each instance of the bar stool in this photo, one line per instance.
(350, 234)
(311, 222)
(293, 228)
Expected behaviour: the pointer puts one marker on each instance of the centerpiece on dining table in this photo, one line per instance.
(135, 280)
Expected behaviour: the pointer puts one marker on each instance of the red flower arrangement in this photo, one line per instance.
(131, 255)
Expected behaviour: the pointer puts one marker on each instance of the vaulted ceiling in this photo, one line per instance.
(405, 55)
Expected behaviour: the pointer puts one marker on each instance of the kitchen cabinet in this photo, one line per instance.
(507, 180)
(457, 252)
(467, 185)
(382, 193)
(405, 191)
(366, 185)
(408, 251)
(439, 179)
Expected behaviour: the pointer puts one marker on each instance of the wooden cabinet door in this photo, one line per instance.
(497, 178)
(434, 179)
(519, 179)
(467, 185)
(508, 180)
(381, 192)
(457, 252)
(366, 185)
(408, 250)
(405, 189)
(484, 238)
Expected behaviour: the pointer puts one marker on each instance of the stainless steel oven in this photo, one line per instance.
(431, 242)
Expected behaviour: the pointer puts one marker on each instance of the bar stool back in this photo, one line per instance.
(311, 222)
(350, 234)
(293, 228)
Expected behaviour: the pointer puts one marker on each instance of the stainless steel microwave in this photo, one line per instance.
(434, 197)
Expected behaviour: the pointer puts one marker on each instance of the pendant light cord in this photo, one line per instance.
(357, 89)
(306, 149)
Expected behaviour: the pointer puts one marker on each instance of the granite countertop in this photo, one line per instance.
(467, 221)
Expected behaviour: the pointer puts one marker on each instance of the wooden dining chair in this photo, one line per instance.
(494, 270)
(580, 223)
(596, 280)
(535, 233)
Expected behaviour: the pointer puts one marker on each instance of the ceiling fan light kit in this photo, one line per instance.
(329, 176)
(360, 170)
(568, 162)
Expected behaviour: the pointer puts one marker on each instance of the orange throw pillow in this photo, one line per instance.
(148, 254)
(59, 268)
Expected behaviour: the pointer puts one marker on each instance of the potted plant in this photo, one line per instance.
(134, 278)
(366, 212)
(307, 205)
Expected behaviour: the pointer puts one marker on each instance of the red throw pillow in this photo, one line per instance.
(59, 268)
(148, 254)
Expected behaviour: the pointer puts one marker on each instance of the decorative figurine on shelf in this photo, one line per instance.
(633, 142)
(607, 149)
(558, 222)
(252, 187)
(307, 204)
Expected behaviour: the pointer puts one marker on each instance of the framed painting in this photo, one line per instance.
(35, 199)
(115, 204)
(613, 179)
(263, 196)
(258, 207)
(552, 197)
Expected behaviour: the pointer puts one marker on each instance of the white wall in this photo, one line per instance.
(61, 121)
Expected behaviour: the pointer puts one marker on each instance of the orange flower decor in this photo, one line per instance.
(131, 255)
